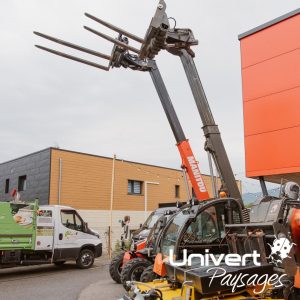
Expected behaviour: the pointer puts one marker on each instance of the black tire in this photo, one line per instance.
(148, 275)
(59, 263)
(85, 259)
(133, 270)
(115, 267)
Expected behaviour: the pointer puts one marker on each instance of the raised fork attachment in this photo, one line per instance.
(120, 55)
(158, 36)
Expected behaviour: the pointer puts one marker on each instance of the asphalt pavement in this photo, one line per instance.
(48, 282)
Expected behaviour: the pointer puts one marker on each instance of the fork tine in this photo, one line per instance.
(115, 28)
(83, 61)
(113, 40)
(74, 46)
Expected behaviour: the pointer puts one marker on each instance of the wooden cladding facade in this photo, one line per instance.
(84, 181)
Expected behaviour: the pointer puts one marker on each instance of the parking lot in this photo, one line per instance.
(49, 282)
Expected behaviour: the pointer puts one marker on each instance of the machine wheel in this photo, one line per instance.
(85, 259)
(133, 270)
(59, 263)
(115, 267)
(148, 275)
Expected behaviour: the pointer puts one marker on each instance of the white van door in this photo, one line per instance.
(70, 234)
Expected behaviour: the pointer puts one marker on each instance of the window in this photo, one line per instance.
(208, 227)
(22, 183)
(6, 186)
(135, 187)
(177, 189)
(171, 235)
(150, 222)
(71, 220)
(204, 228)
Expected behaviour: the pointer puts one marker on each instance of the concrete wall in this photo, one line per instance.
(36, 167)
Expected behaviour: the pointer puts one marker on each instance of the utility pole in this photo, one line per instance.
(111, 206)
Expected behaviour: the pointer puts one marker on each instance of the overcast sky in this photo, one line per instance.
(50, 101)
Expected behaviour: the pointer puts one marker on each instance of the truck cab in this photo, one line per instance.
(47, 234)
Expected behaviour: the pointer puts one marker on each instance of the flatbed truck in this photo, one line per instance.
(31, 234)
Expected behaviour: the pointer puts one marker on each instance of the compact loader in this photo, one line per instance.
(139, 242)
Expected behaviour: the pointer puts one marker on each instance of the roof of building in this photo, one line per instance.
(23, 156)
(270, 23)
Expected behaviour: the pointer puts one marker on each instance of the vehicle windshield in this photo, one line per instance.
(152, 237)
(151, 220)
(207, 227)
(171, 235)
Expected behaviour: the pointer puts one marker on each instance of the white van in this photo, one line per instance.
(50, 234)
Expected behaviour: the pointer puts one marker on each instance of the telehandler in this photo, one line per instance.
(178, 41)
(143, 61)
(121, 57)
(272, 233)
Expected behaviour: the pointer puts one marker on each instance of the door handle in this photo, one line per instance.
(60, 237)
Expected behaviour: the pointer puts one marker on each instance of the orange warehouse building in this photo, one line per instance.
(270, 57)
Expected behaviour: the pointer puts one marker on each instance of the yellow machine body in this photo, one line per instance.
(187, 292)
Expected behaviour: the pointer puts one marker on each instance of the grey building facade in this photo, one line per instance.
(29, 174)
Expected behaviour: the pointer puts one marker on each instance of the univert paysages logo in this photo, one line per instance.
(236, 280)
